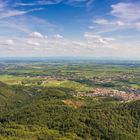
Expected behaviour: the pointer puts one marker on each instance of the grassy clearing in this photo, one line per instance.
(10, 79)
(68, 84)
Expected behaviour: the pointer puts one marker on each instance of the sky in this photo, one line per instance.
(85, 28)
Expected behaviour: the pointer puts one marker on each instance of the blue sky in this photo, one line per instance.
(95, 28)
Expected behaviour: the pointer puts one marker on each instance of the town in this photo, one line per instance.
(103, 92)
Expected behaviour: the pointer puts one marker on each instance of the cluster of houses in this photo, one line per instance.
(117, 77)
(136, 91)
(104, 92)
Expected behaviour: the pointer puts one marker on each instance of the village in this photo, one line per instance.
(104, 92)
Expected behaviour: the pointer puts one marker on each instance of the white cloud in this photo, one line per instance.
(6, 10)
(6, 13)
(88, 35)
(98, 40)
(2, 5)
(90, 45)
(123, 16)
(120, 23)
(91, 27)
(75, 3)
(24, 4)
(101, 21)
(137, 25)
(36, 35)
(9, 42)
(47, 2)
(58, 36)
(33, 43)
(109, 22)
(37, 3)
(126, 11)
(11, 13)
